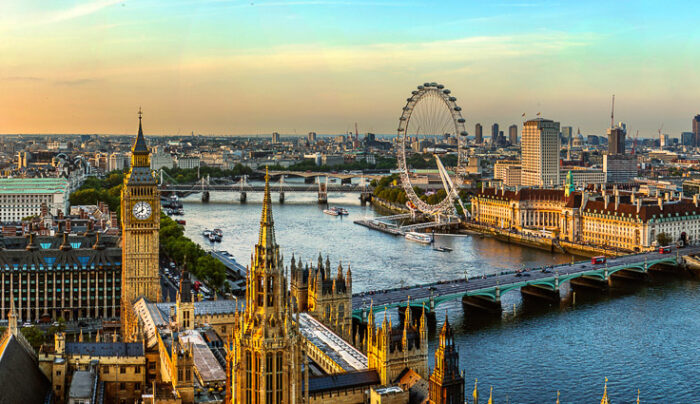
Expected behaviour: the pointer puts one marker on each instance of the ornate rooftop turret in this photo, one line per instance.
(446, 379)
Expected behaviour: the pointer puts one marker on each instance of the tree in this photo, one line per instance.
(663, 239)
(34, 336)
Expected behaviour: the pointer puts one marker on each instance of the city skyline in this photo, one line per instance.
(246, 68)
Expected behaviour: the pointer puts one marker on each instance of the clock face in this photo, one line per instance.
(142, 210)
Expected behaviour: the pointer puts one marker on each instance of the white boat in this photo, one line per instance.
(424, 238)
(332, 212)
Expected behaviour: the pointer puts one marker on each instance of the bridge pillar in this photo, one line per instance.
(535, 292)
(243, 197)
(205, 196)
(365, 197)
(583, 283)
(281, 197)
(625, 276)
(322, 198)
(481, 304)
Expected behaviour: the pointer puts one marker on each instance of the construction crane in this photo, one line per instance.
(634, 145)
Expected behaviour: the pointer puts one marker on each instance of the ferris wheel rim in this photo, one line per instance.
(460, 132)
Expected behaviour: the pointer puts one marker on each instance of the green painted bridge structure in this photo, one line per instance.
(492, 287)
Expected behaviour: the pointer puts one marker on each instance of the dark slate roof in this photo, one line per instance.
(140, 144)
(524, 194)
(364, 378)
(47, 253)
(105, 348)
(647, 211)
(21, 381)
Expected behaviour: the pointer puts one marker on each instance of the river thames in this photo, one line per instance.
(643, 337)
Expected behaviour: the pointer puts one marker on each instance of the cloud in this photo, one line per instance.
(23, 78)
(74, 82)
(79, 10)
(13, 19)
(402, 56)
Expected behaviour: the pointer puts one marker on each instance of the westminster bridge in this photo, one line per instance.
(485, 292)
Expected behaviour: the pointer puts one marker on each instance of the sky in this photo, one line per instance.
(254, 67)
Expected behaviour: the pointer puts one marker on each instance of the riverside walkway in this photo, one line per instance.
(492, 287)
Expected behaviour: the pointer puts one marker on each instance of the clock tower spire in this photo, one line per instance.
(140, 219)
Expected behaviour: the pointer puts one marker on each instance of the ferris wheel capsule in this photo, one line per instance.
(463, 133)
(440, 86)
(446, 91)
(457, 108)
(426, 84)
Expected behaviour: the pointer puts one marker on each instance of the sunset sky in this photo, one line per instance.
(253, 67)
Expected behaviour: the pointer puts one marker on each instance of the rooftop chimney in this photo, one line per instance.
(617, 200)
(661, 203)
(695, 200)
(639, 205)
(65, 245)
(606, 199)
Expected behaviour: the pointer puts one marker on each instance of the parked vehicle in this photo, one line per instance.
(598, 260)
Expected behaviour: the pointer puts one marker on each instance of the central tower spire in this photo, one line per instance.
(266, 342)
(266, 237)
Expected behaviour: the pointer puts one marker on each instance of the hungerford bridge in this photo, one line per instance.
(485, 292)
(322, 188)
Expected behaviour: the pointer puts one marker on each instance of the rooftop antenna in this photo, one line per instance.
(612, 113)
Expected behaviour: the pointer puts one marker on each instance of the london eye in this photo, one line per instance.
(431, 113)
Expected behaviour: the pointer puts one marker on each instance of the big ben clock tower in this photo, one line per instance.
(140, 212)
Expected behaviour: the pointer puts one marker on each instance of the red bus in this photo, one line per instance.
(598, 260)
(665, 249)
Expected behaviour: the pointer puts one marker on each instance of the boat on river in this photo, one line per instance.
(423, 238)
